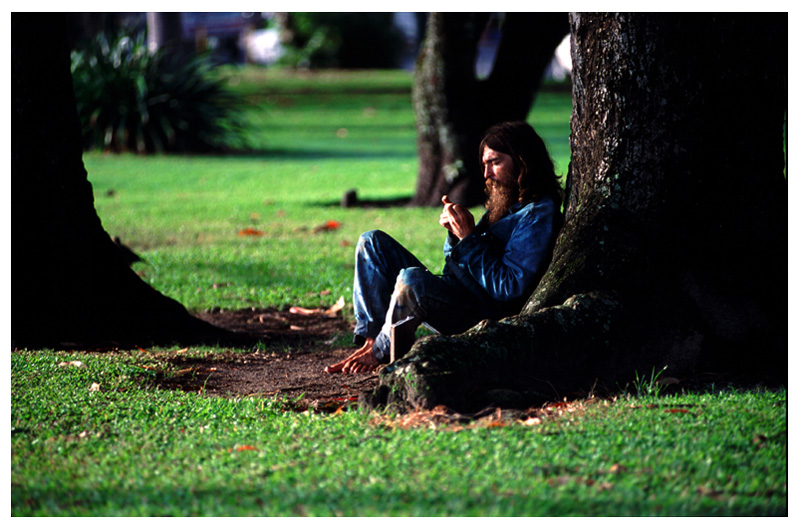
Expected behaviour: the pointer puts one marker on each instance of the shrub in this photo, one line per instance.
(132, 100)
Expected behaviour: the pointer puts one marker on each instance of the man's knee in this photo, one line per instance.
(371, 240)
(372, 236)
(411, 281)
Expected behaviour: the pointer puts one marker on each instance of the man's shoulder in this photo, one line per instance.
(540, 206)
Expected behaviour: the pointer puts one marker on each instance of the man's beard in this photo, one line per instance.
(500, 197)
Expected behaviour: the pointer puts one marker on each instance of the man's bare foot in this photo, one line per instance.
(358, 362)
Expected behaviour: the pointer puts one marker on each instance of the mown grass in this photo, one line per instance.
(103, 440)
(128, 448)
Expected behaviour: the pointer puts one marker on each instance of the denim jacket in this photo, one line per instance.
(501, 264)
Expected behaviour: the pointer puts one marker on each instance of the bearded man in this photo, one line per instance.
(490, 268)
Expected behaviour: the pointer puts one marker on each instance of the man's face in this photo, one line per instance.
(500, 177)
(498, 168)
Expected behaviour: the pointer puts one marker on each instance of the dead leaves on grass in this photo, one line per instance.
(331, 225)
(443, 417)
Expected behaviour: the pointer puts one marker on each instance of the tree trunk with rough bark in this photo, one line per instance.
(674, 248)
(72, 286)
(454, 108)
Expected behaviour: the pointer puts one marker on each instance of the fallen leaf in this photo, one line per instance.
(559, 481)
(94, 387)
(336, 307)
(532, 421)
(244, 448)
(304, 311)
(676, 410)
(74, 363)
(328, 226)
(616, 468)
(250, 232)
(333, 309)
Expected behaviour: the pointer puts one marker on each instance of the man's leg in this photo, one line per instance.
(419, 296)
(378, 260)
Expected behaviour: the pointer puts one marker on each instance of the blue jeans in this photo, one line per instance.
(392, 286)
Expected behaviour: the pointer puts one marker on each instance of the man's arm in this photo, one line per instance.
(506, 272)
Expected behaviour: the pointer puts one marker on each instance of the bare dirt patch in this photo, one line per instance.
(289, 359)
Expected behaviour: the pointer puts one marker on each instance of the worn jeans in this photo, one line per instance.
(392, 286)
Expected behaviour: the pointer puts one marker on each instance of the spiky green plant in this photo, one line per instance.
(130, 99)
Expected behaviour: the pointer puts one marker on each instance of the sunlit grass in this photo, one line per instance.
(89, 441)
(184, 214)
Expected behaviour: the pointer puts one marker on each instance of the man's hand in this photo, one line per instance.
(456, 218)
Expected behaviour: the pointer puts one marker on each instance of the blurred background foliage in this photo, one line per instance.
(150, 82)
(339, 40)
(135, 94)
(133, 100)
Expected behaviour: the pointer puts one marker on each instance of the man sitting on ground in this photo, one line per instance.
(490, 268)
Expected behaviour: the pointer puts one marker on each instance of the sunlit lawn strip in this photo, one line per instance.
(101, 440)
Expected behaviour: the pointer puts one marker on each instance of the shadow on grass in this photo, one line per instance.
(366, 203)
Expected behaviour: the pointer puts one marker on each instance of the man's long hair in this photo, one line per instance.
(537, 177)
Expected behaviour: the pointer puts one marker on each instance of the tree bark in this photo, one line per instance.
(453, 108)
(72, 287)
(674, 247)
(164, 30)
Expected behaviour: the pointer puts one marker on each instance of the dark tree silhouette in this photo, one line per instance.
(674, 248)
(453, 108)
(72, 285)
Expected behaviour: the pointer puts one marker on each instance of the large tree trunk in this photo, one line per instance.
(71, 284)
(674, 249)
(453, 108)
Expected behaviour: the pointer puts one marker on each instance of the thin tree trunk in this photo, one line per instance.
(444, 100)
(674, 248)
(164, 30)
(453, 108)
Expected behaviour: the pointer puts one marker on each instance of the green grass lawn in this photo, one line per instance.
(103, 440)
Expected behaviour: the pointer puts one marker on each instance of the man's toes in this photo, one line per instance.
(335, 368)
